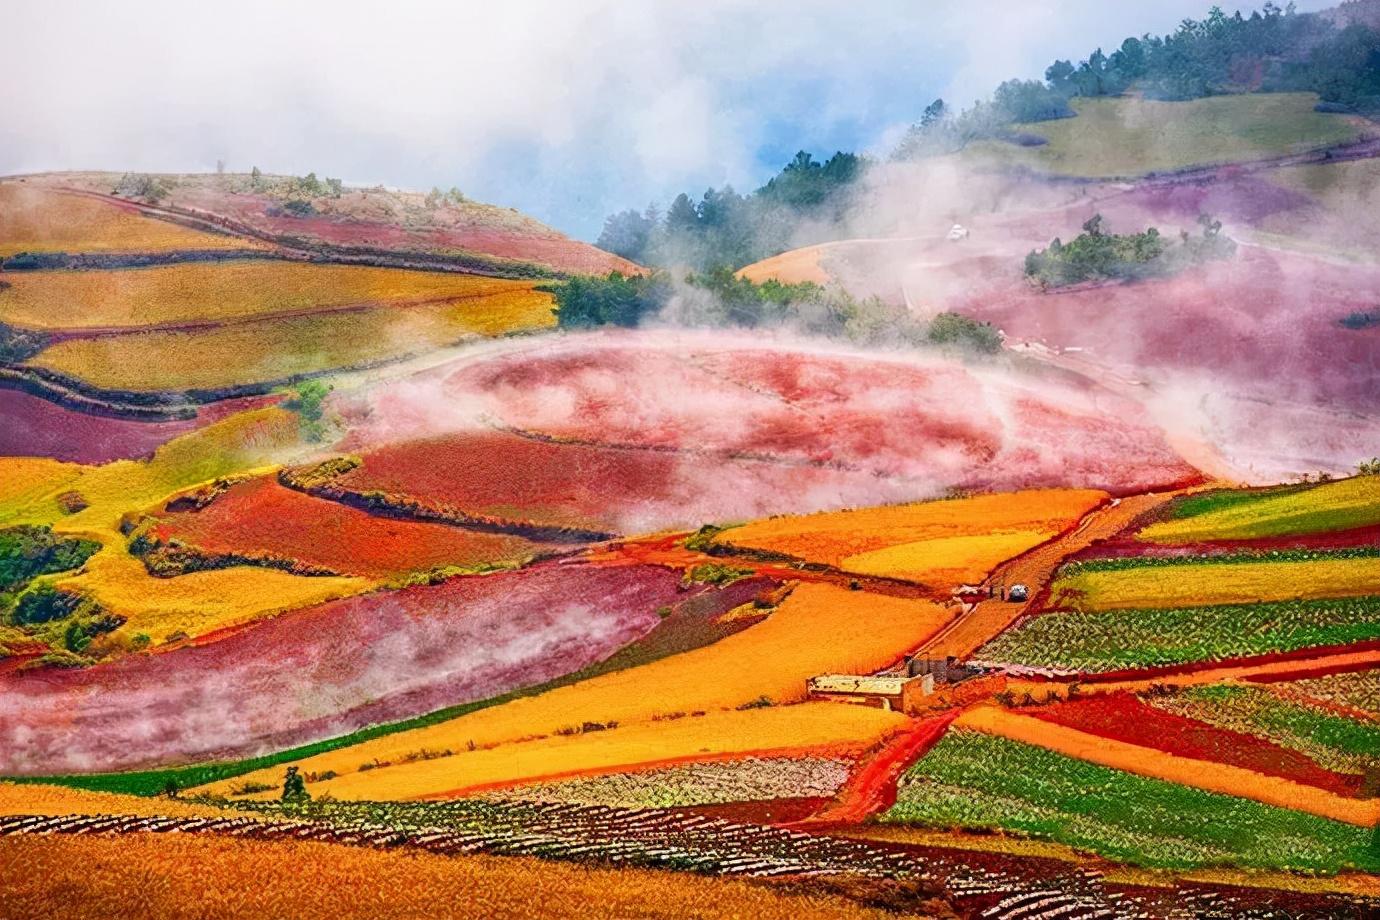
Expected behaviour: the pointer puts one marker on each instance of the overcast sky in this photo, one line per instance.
(565, 109)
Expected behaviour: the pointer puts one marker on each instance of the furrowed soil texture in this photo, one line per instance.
(328, 670)
(237, 879)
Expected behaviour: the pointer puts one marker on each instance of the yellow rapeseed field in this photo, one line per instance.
(946, 560)
(275, 348)
(818, 629)
(26, 480)
(196, 603)
(195, 291)
(952, 540)
(1193, 585)
(35, 219)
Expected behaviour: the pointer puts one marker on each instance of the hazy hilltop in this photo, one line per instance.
(339, 220)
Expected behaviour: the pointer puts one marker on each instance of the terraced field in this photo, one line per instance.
(1332, 739)
(920, 421)
(263, 522)
(1231, 515)
(219, 293)
(427, 647)
(1112, 640)
(273, 349)
(973, 780)
(1211, 580)
(947, 542)
(508, 479)
(37, 219)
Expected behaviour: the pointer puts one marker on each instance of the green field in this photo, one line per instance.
(1334, 741)
(1359, 690)
(973, 780)
(1132, 136)
(1113, 639)
(1255, 513)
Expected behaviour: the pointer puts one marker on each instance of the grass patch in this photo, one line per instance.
(1114, 639)
(1131, 136)
(973, 780)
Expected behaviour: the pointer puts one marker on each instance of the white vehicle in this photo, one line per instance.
(957, 232)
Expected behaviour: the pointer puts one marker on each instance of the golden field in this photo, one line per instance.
(183, 876)
(818, 629)
(40, 799)
(201, 291)
(276, 348)
(196, 603)
(939, 541)
(192, 604)
(34, 219)
(1194, 585)
(799, 729)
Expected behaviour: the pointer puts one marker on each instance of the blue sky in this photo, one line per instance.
(566, 110)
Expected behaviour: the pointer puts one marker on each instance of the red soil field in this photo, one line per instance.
(34, 427)
(1126, 546)
(506, 477)
(328, 670)
(261, 518)
(395, 220)
(927, 421)
(1282, 308)
(1123, 717)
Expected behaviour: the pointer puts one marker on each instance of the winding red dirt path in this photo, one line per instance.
(872, 788)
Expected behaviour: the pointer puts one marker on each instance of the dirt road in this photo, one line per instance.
(1034, 568)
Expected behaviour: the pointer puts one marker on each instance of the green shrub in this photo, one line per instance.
(1096, 255)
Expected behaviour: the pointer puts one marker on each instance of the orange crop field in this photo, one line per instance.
(34, 219)
(818, 629)
(806, 728)
(201, 291)
(234, 879)
(955, 540)
(275, 348)
(40, 799)
(1144, 761)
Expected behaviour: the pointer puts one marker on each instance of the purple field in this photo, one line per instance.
(332, 669)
